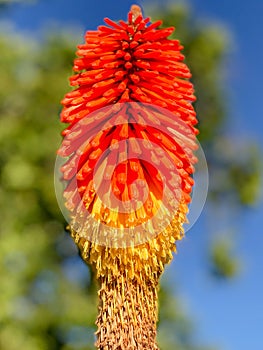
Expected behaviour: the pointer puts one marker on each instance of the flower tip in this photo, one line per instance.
(136, 11)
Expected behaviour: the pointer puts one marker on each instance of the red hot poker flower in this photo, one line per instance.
(129, 144)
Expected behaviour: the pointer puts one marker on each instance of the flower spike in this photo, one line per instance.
(128, 174)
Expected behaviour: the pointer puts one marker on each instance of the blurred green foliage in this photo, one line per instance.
(47, 299)
(47, 294)
(9, 2)
(224, 263)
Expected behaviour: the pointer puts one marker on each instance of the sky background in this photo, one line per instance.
(229, 314)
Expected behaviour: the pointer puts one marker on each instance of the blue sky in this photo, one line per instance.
(228, 314)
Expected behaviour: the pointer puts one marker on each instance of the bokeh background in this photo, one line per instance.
(211, 295)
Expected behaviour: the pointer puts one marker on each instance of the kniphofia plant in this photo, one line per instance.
(129, 148)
